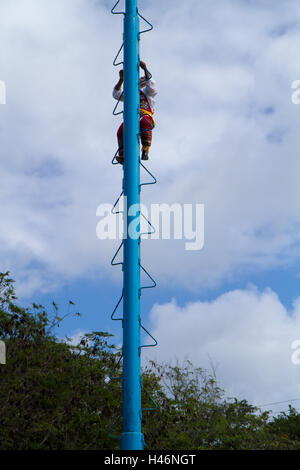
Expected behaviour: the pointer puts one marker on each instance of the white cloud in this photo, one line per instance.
(247, 334)
(57, 131)
(219, 67)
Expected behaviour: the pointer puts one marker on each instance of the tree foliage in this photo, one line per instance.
(55, 395)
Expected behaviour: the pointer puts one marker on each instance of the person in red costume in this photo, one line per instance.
(147, 93)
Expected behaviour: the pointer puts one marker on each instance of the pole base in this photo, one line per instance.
(132, 441)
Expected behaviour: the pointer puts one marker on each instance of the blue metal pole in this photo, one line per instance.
(132, 438)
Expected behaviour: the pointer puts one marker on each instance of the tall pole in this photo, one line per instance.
(132, 438)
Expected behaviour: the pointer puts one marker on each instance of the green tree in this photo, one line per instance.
(287, 425)
(193, 414)
(54, 395)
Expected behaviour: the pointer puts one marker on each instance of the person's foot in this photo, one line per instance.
(145, 155)
(120, 159)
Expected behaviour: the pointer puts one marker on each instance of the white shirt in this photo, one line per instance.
(149, 90)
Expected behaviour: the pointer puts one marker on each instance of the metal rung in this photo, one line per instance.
(147, 119)
(119, 51)
(115, 255)
(150, 277)
(117, 12)
(149, 223)
(111, 374)
(115, 310)
(149, 334)
(153, 401)
(149, 173)
(145, 30)
(150, 76)
(114, 157)
(112, 436)
(120, 112)
(116, 203)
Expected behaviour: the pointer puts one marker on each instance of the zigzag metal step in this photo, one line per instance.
(117, 12)
(154, 180)
(115, 423)
(153, 401)
(115, 205)
(115, 108)
(111, 376)
(119, 52)
(114, 158)
(152, 337)
(150, 277)
(116, 254)
(146, 21)
(150, 225)
(112, 317)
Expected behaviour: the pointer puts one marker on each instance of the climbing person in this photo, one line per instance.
(147, 93)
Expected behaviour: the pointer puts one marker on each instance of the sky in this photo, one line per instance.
(226, 137)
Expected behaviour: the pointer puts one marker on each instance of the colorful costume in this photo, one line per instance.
(147, 122)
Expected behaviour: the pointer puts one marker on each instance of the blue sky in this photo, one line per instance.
(226, 137)
(95, 300)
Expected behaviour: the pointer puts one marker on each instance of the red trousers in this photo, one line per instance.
(146, 126)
